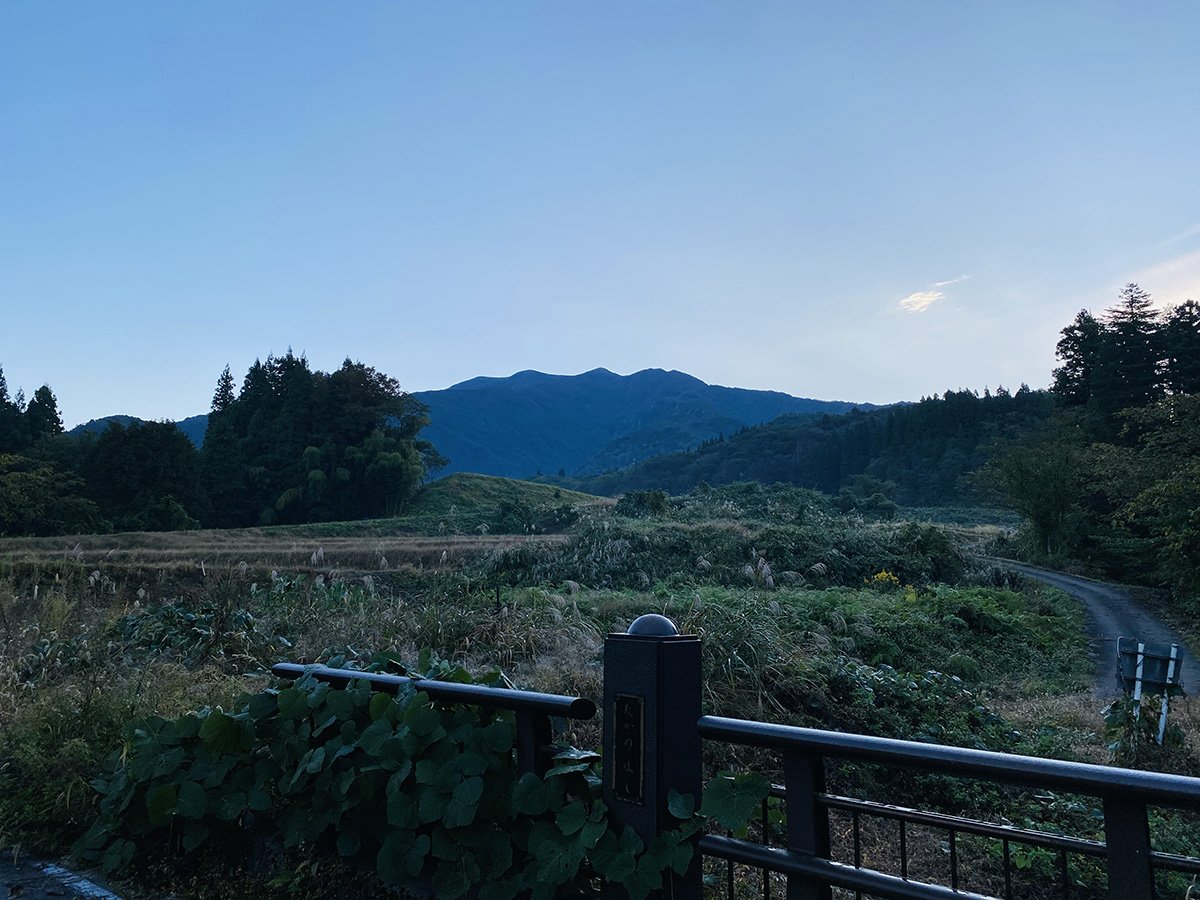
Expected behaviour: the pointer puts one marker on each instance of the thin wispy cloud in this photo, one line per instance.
(1174, 280)
(1183, 235)
(920, 301)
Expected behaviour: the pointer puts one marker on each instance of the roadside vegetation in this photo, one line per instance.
(809, 616)
(1110, 483)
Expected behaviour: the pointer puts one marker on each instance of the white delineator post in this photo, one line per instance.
(1162, 719)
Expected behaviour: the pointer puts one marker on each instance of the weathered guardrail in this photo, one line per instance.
(653, 733)
(533, 710)
(1125, 793)
(640, 723)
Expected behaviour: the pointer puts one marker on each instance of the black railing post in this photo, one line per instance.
(807, 820)
(533, 740)
(1127, 838)
(651, 743)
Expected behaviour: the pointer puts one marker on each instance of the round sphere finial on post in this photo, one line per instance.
(653, 625)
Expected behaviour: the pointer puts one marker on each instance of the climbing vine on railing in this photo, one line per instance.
(411, 788)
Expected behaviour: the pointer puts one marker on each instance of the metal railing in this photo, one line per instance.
(806, 858)
(533, 710)
(652, 698)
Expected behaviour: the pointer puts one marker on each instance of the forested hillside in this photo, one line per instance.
(585, 424)
(915, 454)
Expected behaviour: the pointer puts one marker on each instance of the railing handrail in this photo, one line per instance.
(827, 872)
(1027, 836)
(473, 694)
(1099, 781)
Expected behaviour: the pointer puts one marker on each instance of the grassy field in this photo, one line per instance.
(807, 618)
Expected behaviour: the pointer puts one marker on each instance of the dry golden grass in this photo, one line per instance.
(1076, 722)
(260, 548)
(1074, 727)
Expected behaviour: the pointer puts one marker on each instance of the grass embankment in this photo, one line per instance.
(807, 617)
(462, 515)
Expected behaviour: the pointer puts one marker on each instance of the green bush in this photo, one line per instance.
(48, 754)
(405, 786)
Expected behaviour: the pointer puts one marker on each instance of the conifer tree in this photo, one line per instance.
(1079, 348)
(41, 416)
(1181, 349)
(12, 432)
(1128, 376)
(224, 393)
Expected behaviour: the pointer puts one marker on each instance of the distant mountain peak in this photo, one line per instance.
(535, 422)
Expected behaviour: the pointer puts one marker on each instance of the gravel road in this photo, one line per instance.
(1112, 614)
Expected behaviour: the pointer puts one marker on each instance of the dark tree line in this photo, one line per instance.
(915, 454)
(299, 446)
(1128, 358)
(1113, 477)
(293, 445)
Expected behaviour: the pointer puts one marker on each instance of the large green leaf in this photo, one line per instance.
(374, 735)
(222, 733)
(432, 804)
(646, 878)
(379, 706)
(464, 803)
(231, 805)
(616, 858)
(558, 855)
(572, 817)
(262, 705)
(316, 762)
(194, 835)
(340, 703)
(168, 762)
(421, 718)
(317, 694)
(258, 800)
(402, 810)
(401, 856)
(117, 855)
(530, 796)
(471, 764)
(498, 737)
(591, 833)
(732, 801)
(192, 802)
(681, 806)
(293, 704)
(160, 804)
(453, 880)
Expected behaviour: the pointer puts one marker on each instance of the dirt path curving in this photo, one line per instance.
(1112, 614)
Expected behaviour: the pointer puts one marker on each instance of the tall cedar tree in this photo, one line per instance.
(1180, 343)
(12, 421)
(1129, 372)
(1079, 348)
(41, 416)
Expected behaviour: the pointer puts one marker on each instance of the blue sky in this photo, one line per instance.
(870, 201)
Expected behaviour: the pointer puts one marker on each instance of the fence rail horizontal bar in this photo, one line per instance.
(1175, 863)
(967, 826)
(1059, 775)
(473, 694)
(824, 871)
